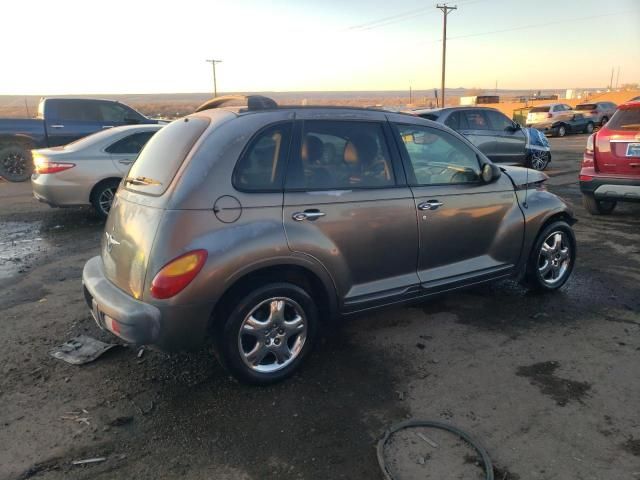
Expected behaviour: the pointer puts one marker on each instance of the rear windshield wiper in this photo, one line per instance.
(141, 181)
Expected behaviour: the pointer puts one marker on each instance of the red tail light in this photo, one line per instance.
(594, 111)
(549, 115)
(177, 274)
(42, 165)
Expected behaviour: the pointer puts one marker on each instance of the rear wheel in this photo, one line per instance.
(604, 121)
(103, 195)
(267, 334)
(16, 163)
(552, 257)
(598, 207)
(561, 131)
(589, 128)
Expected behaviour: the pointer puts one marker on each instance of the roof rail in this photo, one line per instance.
(254, 102)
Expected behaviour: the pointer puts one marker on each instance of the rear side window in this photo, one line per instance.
(429, 116)
(260, 168)
(75, 111)
(539, 109)
(162, 156)
(341, 155)
(131, 144)
(625, 119)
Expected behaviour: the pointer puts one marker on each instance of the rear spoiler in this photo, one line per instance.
(253, 102)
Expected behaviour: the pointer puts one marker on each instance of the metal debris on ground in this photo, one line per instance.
(89, 460)
(140, 352)
(80, 350)
(427, 439)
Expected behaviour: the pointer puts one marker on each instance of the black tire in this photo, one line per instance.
(16, 163)
(604, 121)
(539, 160)
(100, 195)
(534, 277)
(230, 344)
(589, 128)
(561, 131)
(598, 207)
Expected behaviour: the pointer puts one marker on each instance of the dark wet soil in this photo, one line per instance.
(562, 390)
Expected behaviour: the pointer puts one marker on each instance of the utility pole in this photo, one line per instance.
(611, 83)
(445, 10)
(215, 86)
(618, 77)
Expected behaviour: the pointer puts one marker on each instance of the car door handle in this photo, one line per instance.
(307, 215)
(125, 161)
(430, 205)
(107, 126)
(57, 126)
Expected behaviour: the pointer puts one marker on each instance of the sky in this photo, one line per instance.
(155, 46)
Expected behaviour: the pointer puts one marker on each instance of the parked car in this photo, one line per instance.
(59, 121)
(569, 122)
(611, 164)
(598, 112)
(88, 171)
(635, 99)
(260, 225)
(496, 135)
(544, 112)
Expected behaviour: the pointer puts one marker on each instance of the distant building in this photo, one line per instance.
(479, 99)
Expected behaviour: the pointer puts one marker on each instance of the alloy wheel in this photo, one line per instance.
(538, 160)
(106, 199)
(272, 335)
(15, 164)
(554, 258)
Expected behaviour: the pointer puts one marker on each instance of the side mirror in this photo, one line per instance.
(490, 173)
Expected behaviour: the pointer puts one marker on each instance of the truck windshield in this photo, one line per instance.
(162, 156)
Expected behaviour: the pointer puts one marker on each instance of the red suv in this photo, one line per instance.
(611, 165)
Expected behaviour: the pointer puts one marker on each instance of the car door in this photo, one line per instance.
(509, 139)
(68, 120)
(468, 229)
(478, 131)
(124, 151)
(346, 204)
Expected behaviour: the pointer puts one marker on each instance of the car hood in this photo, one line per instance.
(521, 176)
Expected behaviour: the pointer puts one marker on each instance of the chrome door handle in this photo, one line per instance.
(125, 161)
(430, 205)
(107, 126)
(310, 215)
(57, 126)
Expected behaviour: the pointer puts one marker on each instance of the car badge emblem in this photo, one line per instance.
(111, 241)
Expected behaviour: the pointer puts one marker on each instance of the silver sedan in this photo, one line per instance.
(88, 171)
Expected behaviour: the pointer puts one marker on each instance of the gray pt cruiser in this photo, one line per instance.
(258, 225)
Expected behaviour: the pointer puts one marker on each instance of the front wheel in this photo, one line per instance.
(268, 333)
(604, 121)
(589, 128)
(561, 131)
(15, 163)
(598, 207)
(552, 258)
(539, 160)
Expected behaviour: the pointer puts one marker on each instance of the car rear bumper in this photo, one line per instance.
(612, 188)
(168, 327)
(58, 193)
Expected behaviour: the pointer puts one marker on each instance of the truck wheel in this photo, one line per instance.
(589, 128)
(598, 207)
(539, 160)
(552, 257)
(102, 196)
(16, 163)
(267, 334)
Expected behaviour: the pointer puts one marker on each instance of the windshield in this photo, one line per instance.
(162, 156)
(625, 119)
(539, 109)
(586, 106)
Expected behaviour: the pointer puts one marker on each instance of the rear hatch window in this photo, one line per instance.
(625, 119)
(162, 156)
(586, 106)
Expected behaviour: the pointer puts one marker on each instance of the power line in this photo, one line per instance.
(385, 19)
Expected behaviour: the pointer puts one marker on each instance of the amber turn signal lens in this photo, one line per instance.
(177, 274)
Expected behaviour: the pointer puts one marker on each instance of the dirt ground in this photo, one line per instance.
(549, 384)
